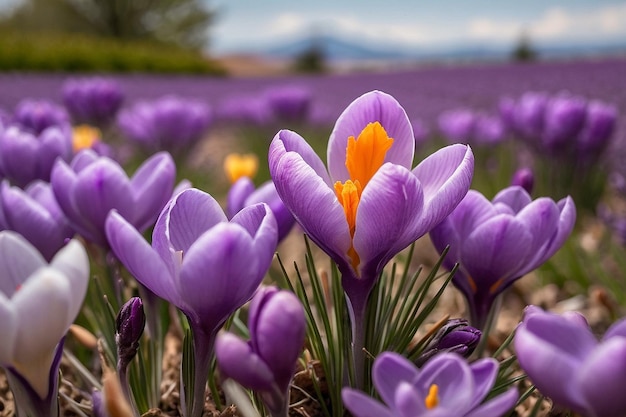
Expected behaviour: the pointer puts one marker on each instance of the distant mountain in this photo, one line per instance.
(339, 49)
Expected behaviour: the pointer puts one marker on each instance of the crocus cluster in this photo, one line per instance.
(267, 362)
(35, 214)
(170, 123)
(35, 116)
(38, 303)
(200, 262)
(468, 126)
(92, 185)
(497, 242)
(369, 205)
(560, 124)
(93, 100)
(447, 386)
(566, 362)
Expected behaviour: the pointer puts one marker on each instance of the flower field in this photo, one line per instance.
(441, 241)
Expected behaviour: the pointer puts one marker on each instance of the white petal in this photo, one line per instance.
(72, 261)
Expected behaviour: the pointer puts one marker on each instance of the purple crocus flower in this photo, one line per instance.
(36, 116)
(529, 117)
(268, 361)
(169, 123)
(92, 185)
(597, 129)
(244, 109)
(289, 103)
(564, 117)
(497, 242)
(566, 362)
(93, 100)
(525, 178)
(243, 193)
(26, 156)
(200, 262)
(38, 303)
(457, 125)
(35, 214)
(488, 130)
(447, 386)
(369, 205)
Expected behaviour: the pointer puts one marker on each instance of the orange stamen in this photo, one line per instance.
(366, 154)
(432, 399)
(349, 194)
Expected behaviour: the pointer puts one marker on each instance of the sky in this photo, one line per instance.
(244, 24)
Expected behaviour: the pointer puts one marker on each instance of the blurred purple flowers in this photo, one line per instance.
(170, 123)
(201, 263)
(268, 361)
(289, 103)
(35, 116)
(497, 242)
(94, 100)
(445, 387)
(566, 362)
(469, 127)
(92, 185)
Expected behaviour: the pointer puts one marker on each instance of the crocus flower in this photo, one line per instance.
(25, 156)
(169, 123)
(597, 129)
(566, 362)
(268, 361)
(369, 205)
(35, 214)
(243, 193)
(38, 303)
(457, 125)
(497, 242)
(455, 336)
(445, 387)
(529, 117)
(92, 185)
(93, 100)
(244, 109)
(289, 103)
(201, 263)
(564, 117)
(36, 116)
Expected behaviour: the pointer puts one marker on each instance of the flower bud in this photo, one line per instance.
(129, 325)
(525, 178)
(455, 336)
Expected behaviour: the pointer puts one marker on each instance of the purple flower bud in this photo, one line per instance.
(598, 127)
(525, 178)
(129, 325)
(455, 336)
(564, 118)
(529, 114)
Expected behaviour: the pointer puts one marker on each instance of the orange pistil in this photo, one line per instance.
(364, 156)
(432, 399)
(84, 137)
(238, 165)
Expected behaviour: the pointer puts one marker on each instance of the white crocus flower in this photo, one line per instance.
(38, 303)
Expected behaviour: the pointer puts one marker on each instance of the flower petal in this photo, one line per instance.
(236, 360)
(259, 221)
(73, 262)
(18, 261)
(387, 217)
(313, 204)
(361, 405)
(451, 373)
(140, 259)
(617, 329)
(152, 187)
(237, 195)
(409, 401)
(497, 406)
(267, 193)
(220, 272)
(515, 197)
(389, 370)
(446, 177)
(189, 215)
(371, 107)
(484, 372)
(287, 141)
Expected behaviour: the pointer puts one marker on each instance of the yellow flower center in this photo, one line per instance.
(432, 399)
(364, 156)
(84, 137)
(238, 165)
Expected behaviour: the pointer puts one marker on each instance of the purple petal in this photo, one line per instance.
(83, 159)
(18, 152)
(152, 187)
(541, 217)
(73, 262)
(602, 378)
(54, 143)
(617, 329)
(267, 193)
(140, 259)
(387, 217)
(220, 272)
(484, 372)
(312, 203)
(287, 141)
(188, 216)
(409, 401)
(63, 181)
(371, 107)
(453, 376)
(236, 360)
(237, 195)
(260, 223)
(498, 406)
(389, 371)
(515, 197)
(361, 405)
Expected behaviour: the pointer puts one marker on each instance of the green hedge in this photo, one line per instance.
(67, 53)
